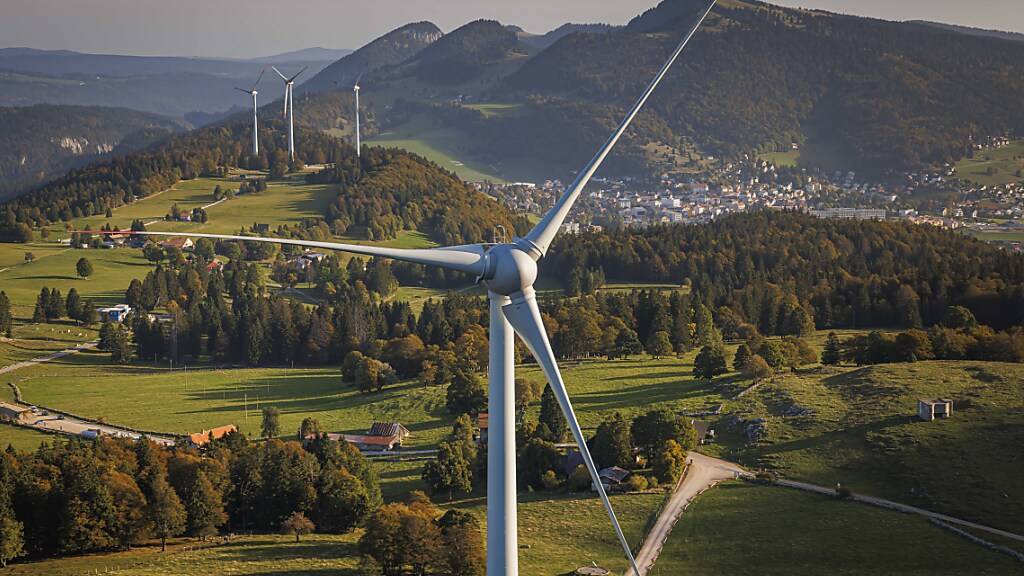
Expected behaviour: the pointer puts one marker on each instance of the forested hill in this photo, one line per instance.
(845, 273)
(392, 48)
(39, 143)
(380, 194)
(757, 77)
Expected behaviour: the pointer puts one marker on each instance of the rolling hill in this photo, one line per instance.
(41, 142)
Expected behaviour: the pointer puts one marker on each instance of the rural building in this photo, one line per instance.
(381, 436)
(203, 438)
(929, 409)
(15, 413)
(114, 313)
(613, 476)
(483, 423)
(179, 242)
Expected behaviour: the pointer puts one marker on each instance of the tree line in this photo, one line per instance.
(85, 496)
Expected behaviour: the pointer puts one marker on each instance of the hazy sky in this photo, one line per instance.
(247, 28)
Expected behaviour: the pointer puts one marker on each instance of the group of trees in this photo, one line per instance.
(785, 273)
(52, 305)
(416, 536)
(385, 191)
(958, 337)
(112, 493)
(6, 318)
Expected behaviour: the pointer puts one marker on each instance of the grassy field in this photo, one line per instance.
(998, 235)
(746, 529)
(857, 427)
(1006, 162)
(491, 109)
(113, 270)
(23, 438)
(789, 158)
(445, 146)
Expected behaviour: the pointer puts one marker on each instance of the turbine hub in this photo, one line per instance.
(508, 270)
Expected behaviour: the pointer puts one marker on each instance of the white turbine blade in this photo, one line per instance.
(292, 79)
(524, 316)
(283, 77)
(259, 78)
(544, 232)
(468, 258)
(287, 91)
(243, 90)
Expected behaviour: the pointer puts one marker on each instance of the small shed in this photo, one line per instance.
(613, 476)
(929, 409)
(114, 313)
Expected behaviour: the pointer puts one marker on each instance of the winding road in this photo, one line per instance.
(703, 473)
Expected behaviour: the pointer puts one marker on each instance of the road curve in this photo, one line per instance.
(704, 472)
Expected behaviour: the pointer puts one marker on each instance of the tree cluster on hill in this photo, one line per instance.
(461, 55)
(785, 272)
(51, 305)
(958, 337)
(108, 494)
(386, 191)
(108, 184)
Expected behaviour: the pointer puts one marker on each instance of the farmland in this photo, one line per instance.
(993, 166)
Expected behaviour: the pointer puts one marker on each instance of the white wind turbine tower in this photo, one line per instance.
(255, 114)
(355, 89)
(289, 108)
(509, 271)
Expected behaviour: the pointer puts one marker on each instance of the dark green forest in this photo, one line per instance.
(846, 273)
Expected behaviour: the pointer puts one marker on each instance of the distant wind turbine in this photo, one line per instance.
(355, 88)
(289, 108)
(509, 271)
(252, 91)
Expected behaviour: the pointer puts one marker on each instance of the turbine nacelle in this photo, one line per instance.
(508, 270)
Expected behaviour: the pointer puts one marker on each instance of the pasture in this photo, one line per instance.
(994, 166)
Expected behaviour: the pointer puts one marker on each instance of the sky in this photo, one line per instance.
(250, 28)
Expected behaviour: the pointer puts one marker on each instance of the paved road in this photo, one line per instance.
(69, 424)
(883, 503)
(54, 356)
(703, 473)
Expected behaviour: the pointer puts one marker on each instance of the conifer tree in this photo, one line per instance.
(204, 506)
(551, 416)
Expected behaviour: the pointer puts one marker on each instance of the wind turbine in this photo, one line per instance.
(355, 88)
(509, 271)
(289, 108)
(252, 91)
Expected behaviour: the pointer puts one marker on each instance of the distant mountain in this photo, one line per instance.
(42, 142)
(542, 41)
(874, 95)
(170, 86)
(464, 54)
(316, 54)
(392, 48)
(1014, 36)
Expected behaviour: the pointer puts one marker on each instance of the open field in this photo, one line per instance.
(1006, 163)
(857, 427)
(445, 146)
(113, 270)
(743, 529)
(283, 202)
(998, 235)
(490, 109)
(23, 438)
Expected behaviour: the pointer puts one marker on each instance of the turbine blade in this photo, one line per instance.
(287, 90)
(524, 316)
(292, 79)
(243, 90)
(259, 78)
(468, 258)
(283, 77)
(544, 232)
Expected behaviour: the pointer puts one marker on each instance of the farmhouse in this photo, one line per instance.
(613, 476)
(203, 438)
(381, 436)
(929, 409)
(15, 413)
(482, 422)
(179, 242)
